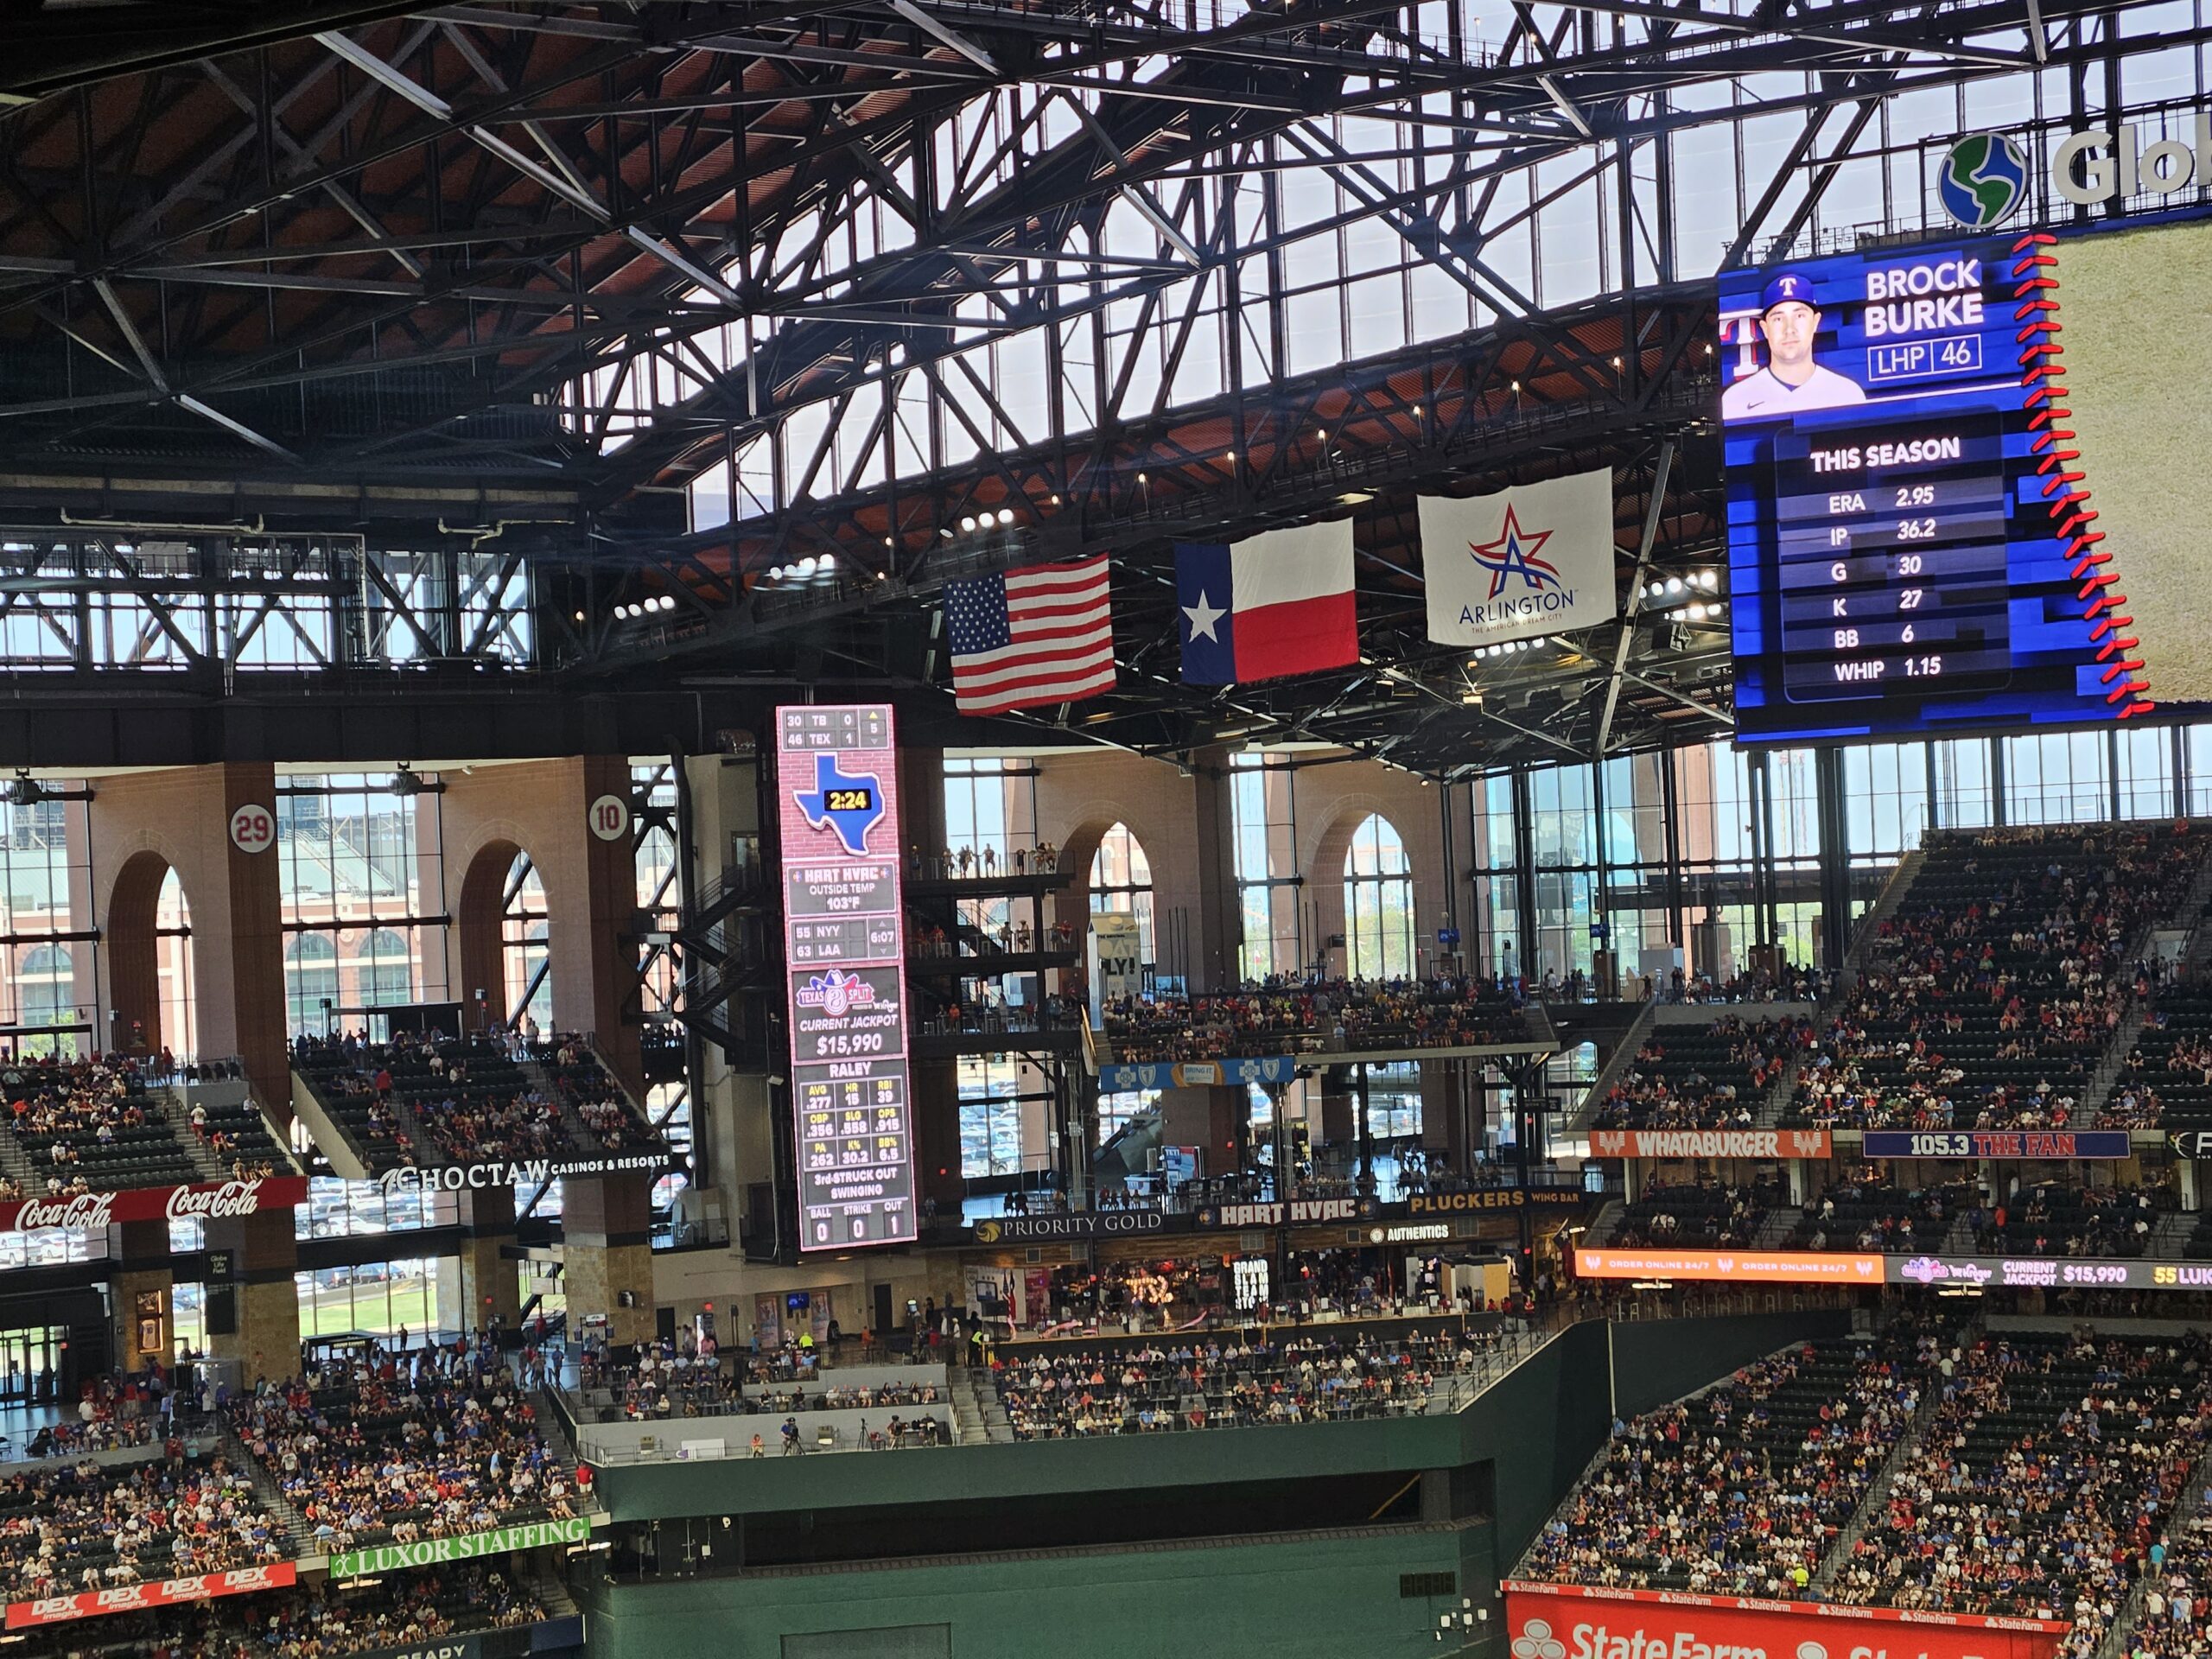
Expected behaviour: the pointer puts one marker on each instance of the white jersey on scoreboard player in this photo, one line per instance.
(1765, 396)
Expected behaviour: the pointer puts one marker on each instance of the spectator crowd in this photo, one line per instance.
(1285, 1014)
(1150, 1388)
(1742, 1491)
(432, 1443)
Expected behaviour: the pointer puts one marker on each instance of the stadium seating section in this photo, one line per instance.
(467, 1101)
(401, 1611)
(1866, 1213)
(80, 1526)
(1743, 1491)
(2022, 1473)
(91, 1125)
(1288, 1016)
(368, 1449)
(1712, 1077)
(1156, 1389)
(1704, 1213)
(1988, 997)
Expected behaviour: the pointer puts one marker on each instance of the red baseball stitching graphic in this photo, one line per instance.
(2035, 293)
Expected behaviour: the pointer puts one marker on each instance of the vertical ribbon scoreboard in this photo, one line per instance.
(844, 948)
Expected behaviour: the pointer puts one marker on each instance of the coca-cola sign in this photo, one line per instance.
(154, 1593)
(195, 1201)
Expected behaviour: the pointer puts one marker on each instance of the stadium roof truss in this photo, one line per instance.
(610, 301)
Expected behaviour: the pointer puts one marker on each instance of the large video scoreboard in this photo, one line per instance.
(844, 947)
(1910, 549)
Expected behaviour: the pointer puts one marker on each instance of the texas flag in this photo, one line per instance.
(1276, 605)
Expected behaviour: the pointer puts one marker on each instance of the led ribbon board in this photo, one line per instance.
(844, 947)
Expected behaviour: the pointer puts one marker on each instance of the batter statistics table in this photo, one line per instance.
(1892, 568)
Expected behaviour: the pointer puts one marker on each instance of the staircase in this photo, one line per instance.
(1870, 925)
(16, 1163)
(2191, 1503)
(1877, 1492)
(2135, 1013)
(2168, 1239)
(535, 1567)
(205, 1164)
(553, 1429)
(1777, 1226)
(1616, 1062)
(967, 1428)
(1600, 1230)
(978, 1419)
(297, 1533)
(2097, 1091)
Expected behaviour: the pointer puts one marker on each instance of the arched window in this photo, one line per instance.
(1378, 903)
(384, 969)
(528, 956)
(311, 981)
(1121, 884)
(173, 966)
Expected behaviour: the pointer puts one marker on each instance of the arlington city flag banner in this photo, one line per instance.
(1533, 560)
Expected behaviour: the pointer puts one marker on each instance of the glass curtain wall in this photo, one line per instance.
(1263, 795)
(1703, 852)
(44, 944)
(364, 898)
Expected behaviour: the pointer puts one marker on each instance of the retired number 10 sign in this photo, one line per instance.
(844, 949)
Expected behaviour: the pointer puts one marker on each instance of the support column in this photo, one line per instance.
(1444, 1111)
(1835, 858)
(933, 1086)
(606, 1233)
(1220, 911)
(141, 1295)
(262, 1310)
(1366, 1127)
(491, 1280)
(1335, 1126)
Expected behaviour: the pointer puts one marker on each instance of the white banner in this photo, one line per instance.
(1536, 559)
(1116, 960)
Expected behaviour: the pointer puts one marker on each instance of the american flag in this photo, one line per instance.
(1041, 635)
